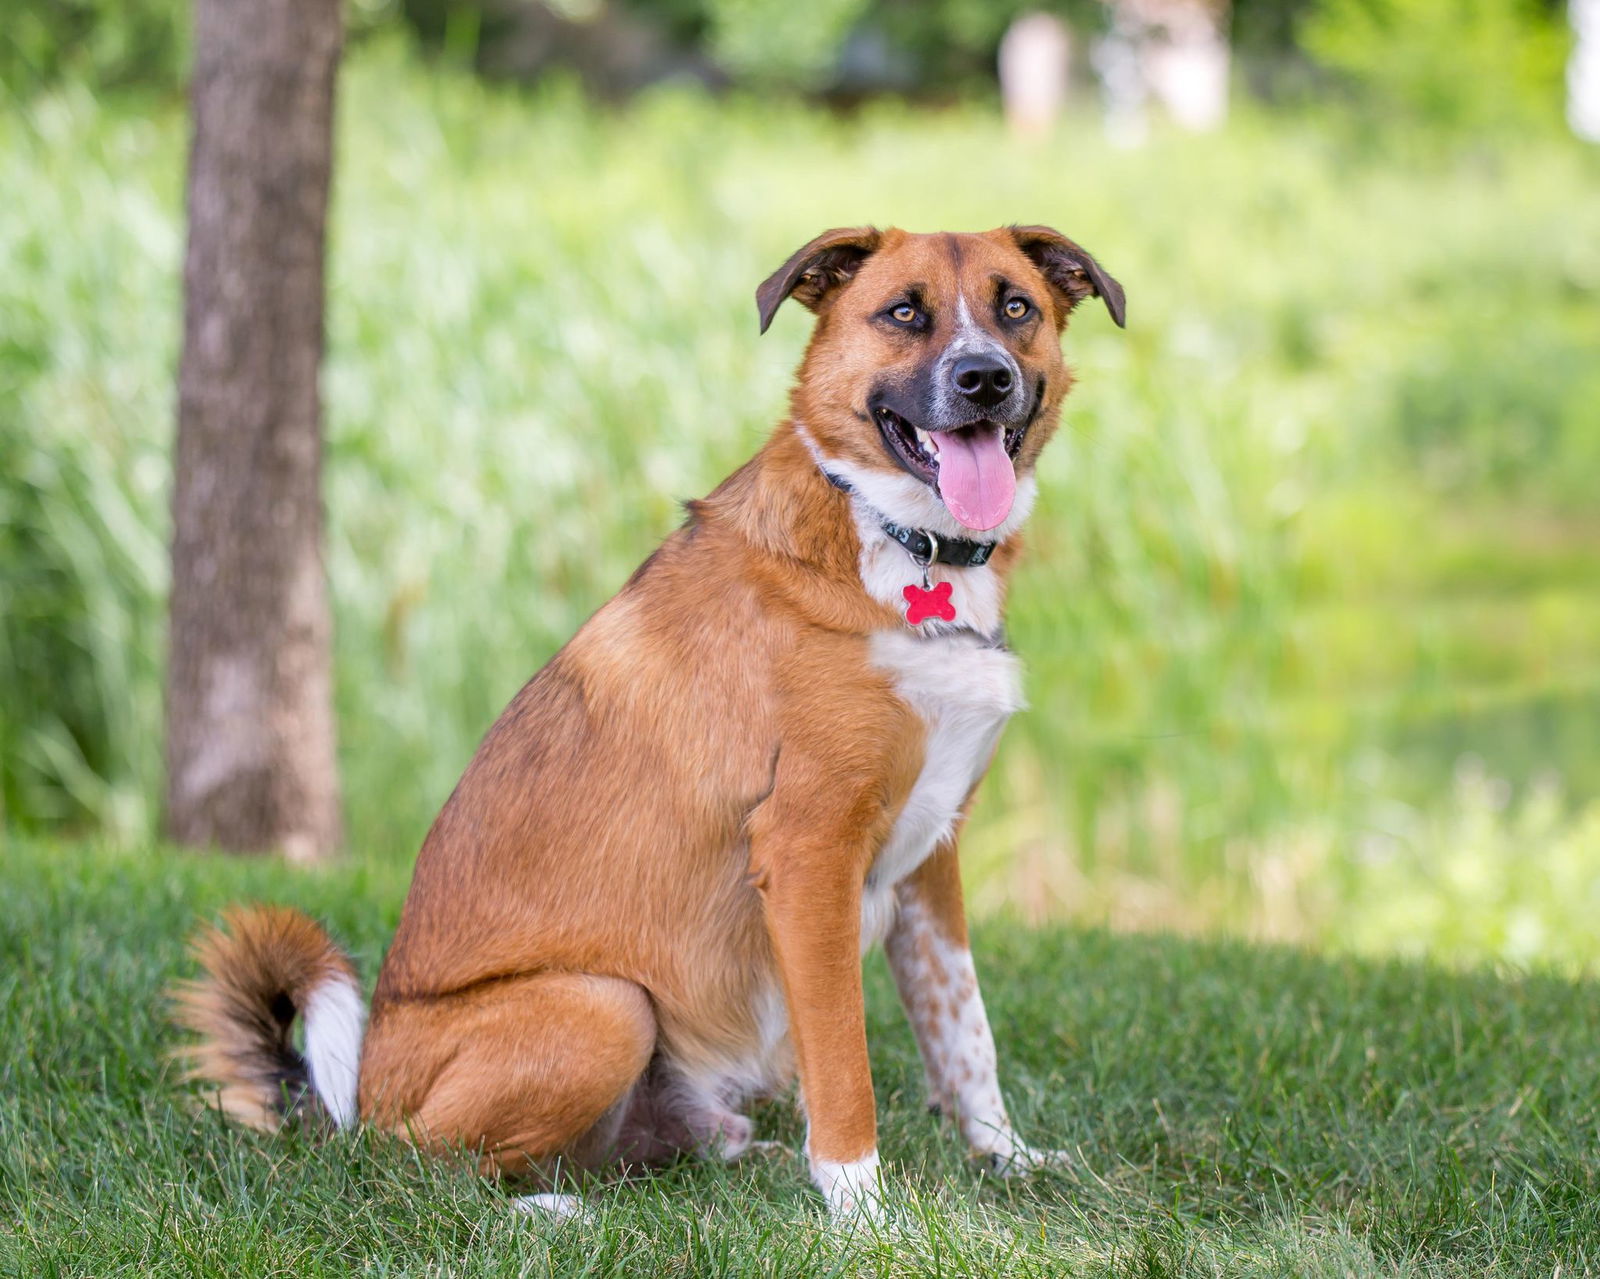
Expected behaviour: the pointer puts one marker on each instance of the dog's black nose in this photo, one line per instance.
(982, 379)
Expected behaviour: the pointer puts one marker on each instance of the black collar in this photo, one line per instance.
(923, 546)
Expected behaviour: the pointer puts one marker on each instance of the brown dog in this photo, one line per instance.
(648, 898)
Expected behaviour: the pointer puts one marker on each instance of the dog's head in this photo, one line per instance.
(935, 367)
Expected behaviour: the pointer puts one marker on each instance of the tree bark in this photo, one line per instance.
(250, 733)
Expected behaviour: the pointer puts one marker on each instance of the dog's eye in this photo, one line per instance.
(1017, 308)
(905, 313)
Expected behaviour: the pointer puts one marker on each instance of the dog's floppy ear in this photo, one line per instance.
(816, 270)
(1070, 271)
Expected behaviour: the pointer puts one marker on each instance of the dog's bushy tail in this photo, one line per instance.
(264, 967)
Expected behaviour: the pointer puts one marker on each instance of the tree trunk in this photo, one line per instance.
(250, 736)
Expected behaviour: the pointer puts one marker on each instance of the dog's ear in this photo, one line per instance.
(1070, 271)
(817, 270)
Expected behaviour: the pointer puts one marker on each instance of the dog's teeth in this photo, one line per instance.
(926, 441)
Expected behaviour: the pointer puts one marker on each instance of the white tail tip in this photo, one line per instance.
(336, 1019)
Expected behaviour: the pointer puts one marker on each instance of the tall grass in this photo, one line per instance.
(1321, 521)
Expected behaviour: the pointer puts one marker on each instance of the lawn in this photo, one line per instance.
(1232, 1109)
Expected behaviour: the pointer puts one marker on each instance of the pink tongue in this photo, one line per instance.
(975, 476)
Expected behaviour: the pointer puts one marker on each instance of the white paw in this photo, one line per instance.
(1021, 1160)
(554, 1207)
(853, 1191)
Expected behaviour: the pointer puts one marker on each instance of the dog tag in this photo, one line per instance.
(922, 604)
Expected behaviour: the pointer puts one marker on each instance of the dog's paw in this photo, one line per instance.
(853, 1191)
(1022, 1160)
(729, 1137)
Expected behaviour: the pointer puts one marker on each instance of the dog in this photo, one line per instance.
(647, 901)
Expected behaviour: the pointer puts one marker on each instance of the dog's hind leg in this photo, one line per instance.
(670, 1114)
(533, 1072)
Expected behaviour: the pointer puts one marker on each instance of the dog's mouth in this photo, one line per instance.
(972, 467)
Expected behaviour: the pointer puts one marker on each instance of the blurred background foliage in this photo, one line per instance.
(1455, 62)
(1312, 614)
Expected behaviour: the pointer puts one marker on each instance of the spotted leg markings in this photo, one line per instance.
(939, 988)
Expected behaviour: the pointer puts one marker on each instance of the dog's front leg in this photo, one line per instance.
(811, 841)
(813, 917)
(932, 966)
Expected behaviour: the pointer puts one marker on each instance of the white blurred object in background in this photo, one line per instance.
(1035, 58)
(1583, 70)
(1119, 64)
(1187, 62)
(1175, 51)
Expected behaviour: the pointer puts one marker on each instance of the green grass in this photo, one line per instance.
(1232, 1110)
(1318, 537)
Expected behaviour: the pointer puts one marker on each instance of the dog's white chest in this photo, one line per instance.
(964, 690)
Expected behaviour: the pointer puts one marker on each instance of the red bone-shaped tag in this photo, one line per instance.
(925, 604)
